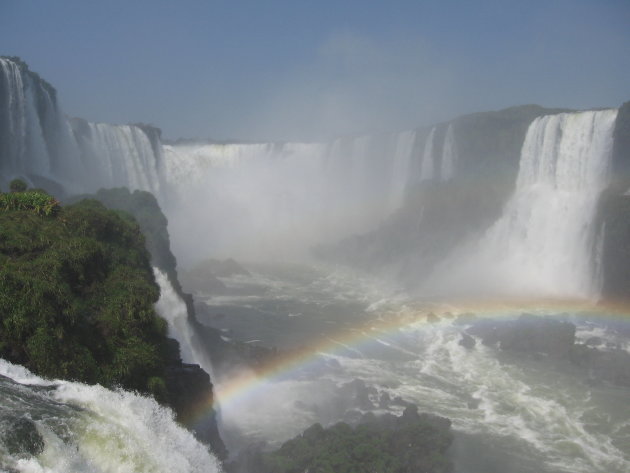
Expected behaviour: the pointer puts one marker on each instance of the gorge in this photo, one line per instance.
(371, 261)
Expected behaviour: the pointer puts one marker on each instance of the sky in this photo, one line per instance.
(311, 70)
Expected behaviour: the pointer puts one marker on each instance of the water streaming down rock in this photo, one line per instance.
(544, 243)
(449, 155)
(405, 143)
(173, 309)
(126, 156)
(60, 426)
(426, 169)
(39, 143)
(35, 139)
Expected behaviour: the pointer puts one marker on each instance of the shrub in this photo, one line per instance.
(36, 201)
(17, 185)
(77, 294)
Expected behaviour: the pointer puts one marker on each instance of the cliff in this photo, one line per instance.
(77, 296)
(439, 212)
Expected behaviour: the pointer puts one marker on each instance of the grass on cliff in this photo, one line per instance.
(77, 294)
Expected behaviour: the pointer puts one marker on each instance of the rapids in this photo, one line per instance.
(510, 414)
(71, 427)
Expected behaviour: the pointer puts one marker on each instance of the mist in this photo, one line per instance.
(407, 220)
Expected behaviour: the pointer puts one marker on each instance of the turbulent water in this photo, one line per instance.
(61, 427)
(275, 201)
(544, 244)
(510, 414)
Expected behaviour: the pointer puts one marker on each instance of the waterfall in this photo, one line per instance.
(38, 141)
(449, 155)
(545, 242)
(291, 195)
(426, 168)
(403, 155)
(62, 426)
(172, 308)
(125, 155)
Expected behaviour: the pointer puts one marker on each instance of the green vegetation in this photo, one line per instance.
(17, 185)
(144, 208)
(388, 444)
(77, 294)
(36, 201)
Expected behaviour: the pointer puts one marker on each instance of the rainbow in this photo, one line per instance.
(247, 384)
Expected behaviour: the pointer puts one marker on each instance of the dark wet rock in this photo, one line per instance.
(198, 280)
(594, 341)
(20, 436)
(399, 401)
(473, 403)
(603, 366)
(528, 334)
(358, 393)
(191, 396)
(204, 277)
(544, 338)
(384, 401)
(467, 341)
(226, 268)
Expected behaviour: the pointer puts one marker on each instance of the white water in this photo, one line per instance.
(544, 243)
(95, 430)
(510, 416)
(287, 196)
(449, 155)
(126, 157)
(426, 170)
(38, 140)
(172, 308)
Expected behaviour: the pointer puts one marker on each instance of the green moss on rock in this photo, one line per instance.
(77, 295)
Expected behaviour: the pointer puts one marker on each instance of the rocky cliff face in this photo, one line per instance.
(614, 214)
(189, 386)
(41, 145)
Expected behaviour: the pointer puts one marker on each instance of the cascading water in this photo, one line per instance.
(291, 196)
(126, 157)
(60, 426)
(426, 169)
(544, 243)
(405, 143)
(173, 309)
(37, 140)
(449, 155)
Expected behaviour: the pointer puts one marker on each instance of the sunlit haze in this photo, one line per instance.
(299, 70)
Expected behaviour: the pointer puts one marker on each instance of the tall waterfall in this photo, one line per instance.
(35, 138)
(427, 167)
(37, 141)
(173, 309)
(125, 154)
(544, 244)
(449, 154)
(288, 196)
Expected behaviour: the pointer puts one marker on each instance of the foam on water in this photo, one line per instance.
(538, 417)
(96, 430)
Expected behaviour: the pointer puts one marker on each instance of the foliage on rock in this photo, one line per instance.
(77, 294)
(388, 444)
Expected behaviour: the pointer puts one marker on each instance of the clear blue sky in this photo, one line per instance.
(307, 69)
